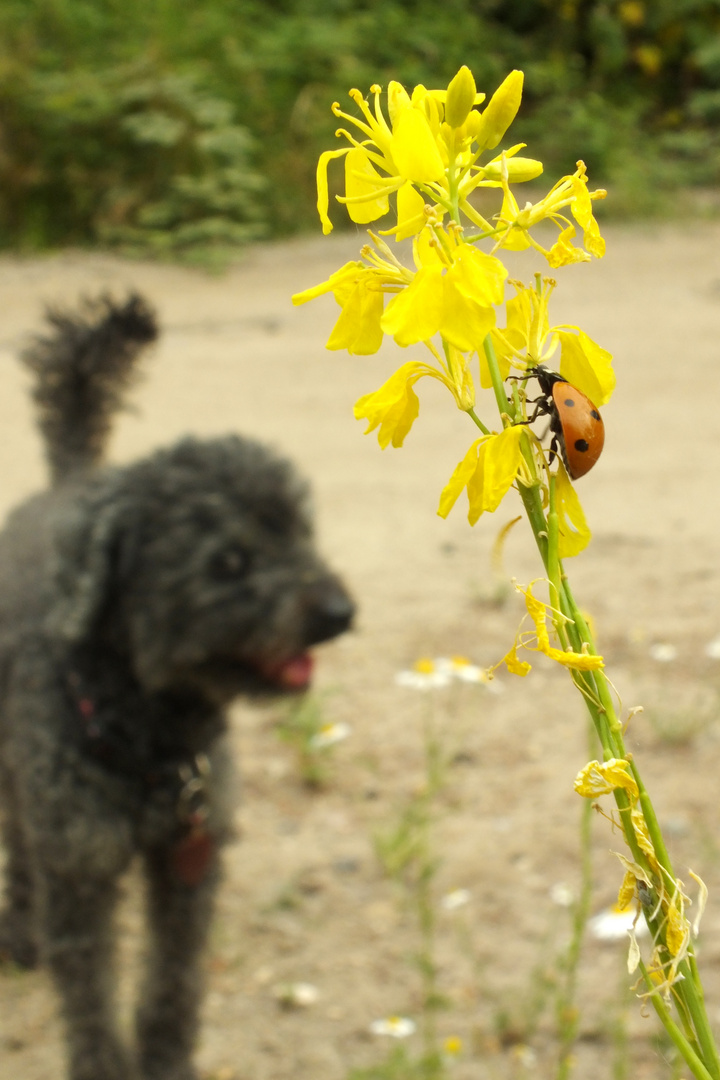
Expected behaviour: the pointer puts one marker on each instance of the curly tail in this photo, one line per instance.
(82, 370)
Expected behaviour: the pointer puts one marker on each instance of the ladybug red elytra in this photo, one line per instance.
(576, 424)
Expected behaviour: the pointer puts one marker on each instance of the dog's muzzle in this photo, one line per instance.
(329, 612)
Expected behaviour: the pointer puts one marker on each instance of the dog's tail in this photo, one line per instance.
(82, 370)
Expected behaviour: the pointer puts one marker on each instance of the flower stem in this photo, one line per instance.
(696, 1045)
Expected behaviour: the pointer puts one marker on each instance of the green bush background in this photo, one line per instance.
(185, 127)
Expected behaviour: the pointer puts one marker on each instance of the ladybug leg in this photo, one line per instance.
(541, 409)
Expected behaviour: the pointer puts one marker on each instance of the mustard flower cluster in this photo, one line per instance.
(423, 165)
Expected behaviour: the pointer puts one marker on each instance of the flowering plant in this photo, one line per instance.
(421, 166)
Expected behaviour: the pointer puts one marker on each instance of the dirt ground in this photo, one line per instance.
(305, 898)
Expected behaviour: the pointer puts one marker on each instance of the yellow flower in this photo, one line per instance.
(487, 471)
(514, 224)
(529, 340)
(395, 406)
(427, 152)
(601, 779)
(360, 288)
(452, 293)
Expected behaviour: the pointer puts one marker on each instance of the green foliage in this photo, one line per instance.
(151, 125)
(126, 156)
(399, 1065)
(306, 728)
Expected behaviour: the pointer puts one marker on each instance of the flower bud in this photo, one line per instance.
(519, 169)
(501, 110)
(460, 97)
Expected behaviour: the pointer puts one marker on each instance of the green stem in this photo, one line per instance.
(476, 420)
(567, 1012)
(684, 1047)
(599, 701)
(505, 407)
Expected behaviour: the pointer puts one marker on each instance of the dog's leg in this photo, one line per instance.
(78, 938)
(179, 917)
(18, 932)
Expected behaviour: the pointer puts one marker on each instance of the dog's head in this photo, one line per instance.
(200, 562)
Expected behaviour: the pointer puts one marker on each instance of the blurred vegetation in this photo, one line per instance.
(177, 128)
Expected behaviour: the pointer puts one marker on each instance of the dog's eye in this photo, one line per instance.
(230, 563)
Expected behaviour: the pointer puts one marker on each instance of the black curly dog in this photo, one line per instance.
(135, 603)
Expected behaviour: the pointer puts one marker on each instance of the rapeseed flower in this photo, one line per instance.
(427, 153)
(513, 224)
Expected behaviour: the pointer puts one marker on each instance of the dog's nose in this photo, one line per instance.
(329, 614)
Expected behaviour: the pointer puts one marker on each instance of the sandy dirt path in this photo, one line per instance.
(305, 898)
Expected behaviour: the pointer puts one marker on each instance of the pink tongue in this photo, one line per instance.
(296, 672)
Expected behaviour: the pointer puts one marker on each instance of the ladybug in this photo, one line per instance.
(577, 426)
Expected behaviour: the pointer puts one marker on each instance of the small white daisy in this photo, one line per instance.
(297, 995)
(328, 735)
(562, 895)
(398, 1027)
(456, 899)
(613, 924)
(424, 675)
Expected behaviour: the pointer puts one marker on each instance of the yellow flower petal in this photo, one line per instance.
(502, 462)
(394, 407)
(586, 365)
(515, 666)
(564, 253)
(363, 182)
(627, 890)
(414, 149)
(411, 217)
(358, 328)
(322, 186)
(643, 836)
(415, 314)
(341, 283)
(487, 471)
(581, 207)
(602, 779)
(677, 930)
(477, 276)
(574, 534)
(459, 479)
(464, 323)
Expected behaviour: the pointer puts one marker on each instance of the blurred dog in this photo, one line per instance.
(135, 603)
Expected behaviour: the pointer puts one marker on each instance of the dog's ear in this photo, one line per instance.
(92, 551)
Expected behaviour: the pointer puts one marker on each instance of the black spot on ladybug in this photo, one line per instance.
(569, 402)
(595, 414)
(581, 445)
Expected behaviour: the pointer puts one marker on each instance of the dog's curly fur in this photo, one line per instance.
(135, 603)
